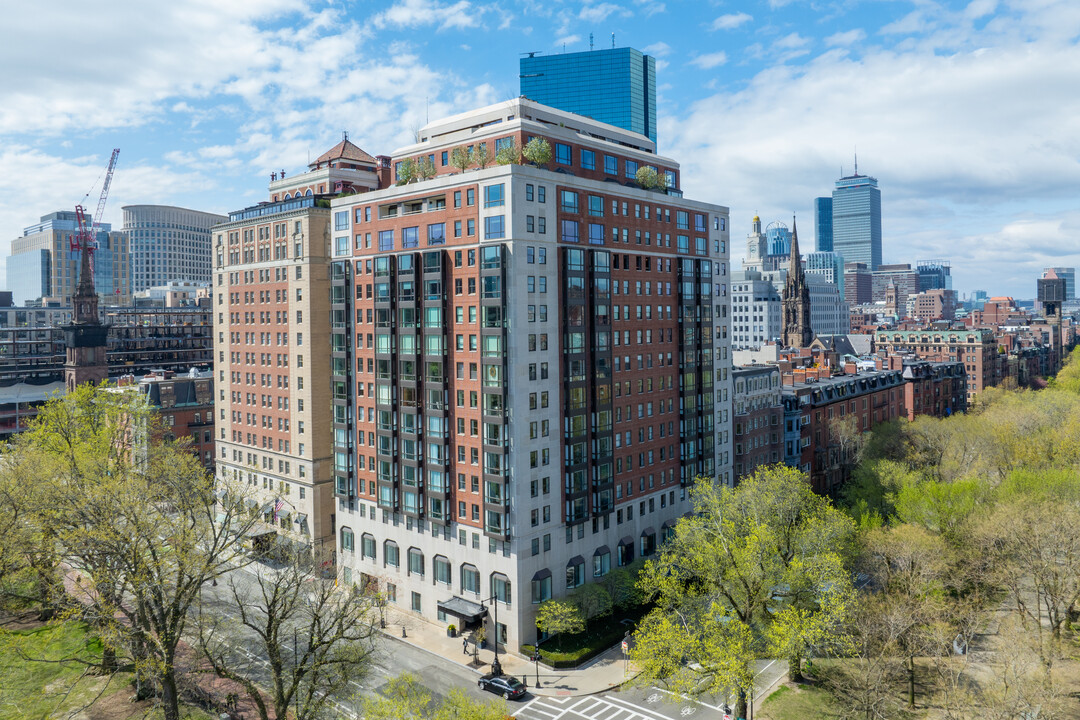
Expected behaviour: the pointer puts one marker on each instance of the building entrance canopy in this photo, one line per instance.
(467, 610)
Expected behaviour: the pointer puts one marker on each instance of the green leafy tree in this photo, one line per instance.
(593, 600)
(481, 156)
(425, 168)
(407, 172)
(756, 569)
(649, 178)
(137, 518)
(460, 159)
(621, 585)
(406, 698)
(559, 617)
(537, 151)
(508, 154)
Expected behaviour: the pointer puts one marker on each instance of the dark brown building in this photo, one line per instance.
(758, 418)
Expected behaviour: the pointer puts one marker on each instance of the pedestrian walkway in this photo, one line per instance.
(604, 672)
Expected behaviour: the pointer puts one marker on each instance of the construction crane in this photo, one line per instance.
(85, 236)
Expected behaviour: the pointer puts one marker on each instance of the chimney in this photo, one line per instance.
(851, 368)
(787, 378)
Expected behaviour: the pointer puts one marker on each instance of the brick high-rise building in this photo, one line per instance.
(272, 347)
(530, 367)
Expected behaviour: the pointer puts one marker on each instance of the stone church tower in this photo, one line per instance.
(796, 302)
(86, 338)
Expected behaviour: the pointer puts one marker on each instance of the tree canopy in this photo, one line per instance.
(754, 570)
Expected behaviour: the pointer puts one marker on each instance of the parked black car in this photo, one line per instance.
(507, 686)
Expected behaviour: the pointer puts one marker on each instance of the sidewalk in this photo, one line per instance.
(604, 672)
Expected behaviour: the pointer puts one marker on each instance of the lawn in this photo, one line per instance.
(798, 702)
(44, 673)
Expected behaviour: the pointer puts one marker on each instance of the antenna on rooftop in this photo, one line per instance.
(344, 135)
(590, 42)
(612, 41)
(856, 159)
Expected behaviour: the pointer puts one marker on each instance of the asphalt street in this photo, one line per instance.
(438, 676)
(392, 657)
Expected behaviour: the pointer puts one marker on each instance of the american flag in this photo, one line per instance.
(277, 508)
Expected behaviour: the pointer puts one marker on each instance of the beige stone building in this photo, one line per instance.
(271, 305)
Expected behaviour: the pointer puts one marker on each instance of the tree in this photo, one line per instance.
(508, 154)
(864, 684)
(537, 151)
(769, 552)
(481, 156)
(559, 617)
(1034, 549)
(649, 178)
(912, 568)
(142, 528)
(315, 639)
(406, 698)
(425, 168)
(593, 600)
(460, 159)
(621, 585)
(407, 171)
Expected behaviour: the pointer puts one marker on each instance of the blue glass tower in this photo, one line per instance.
(856, 220)
(616, 86)
(823, 223)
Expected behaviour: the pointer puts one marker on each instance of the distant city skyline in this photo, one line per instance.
(763, 103)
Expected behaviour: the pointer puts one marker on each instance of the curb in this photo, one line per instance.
(532, 690)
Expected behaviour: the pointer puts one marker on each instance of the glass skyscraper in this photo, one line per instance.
(823, 224)
(615, 86)
(856, 220)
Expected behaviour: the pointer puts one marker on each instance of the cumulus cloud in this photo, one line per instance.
(657, 49)
(600, 12)
(845, 39)
(710, 60)
(951, 137)
(416, 13)
(730, 21)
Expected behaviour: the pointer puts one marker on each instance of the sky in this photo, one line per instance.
(967, 113)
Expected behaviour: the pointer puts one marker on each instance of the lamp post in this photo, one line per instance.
(536, 657)
(496, 666)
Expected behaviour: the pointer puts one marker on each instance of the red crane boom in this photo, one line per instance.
(85, 236)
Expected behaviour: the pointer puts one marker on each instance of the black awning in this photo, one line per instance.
(541, 574)
(576, 560)
(648, 531)
(467, 610)
(627, 541)
(602, 550)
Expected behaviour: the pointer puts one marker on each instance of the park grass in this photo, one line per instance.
(798, 702)
(46, 672)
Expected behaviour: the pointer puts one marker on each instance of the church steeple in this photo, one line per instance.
(86, 338)
(796, 299)
(85, 299)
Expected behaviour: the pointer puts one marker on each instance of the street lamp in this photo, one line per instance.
(536, 657)
(496, 666)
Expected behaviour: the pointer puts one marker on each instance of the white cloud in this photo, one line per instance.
(730, 21)
(710, 60)
(417, 13)
(657, 49)
(570, 40)
(600, 12)
(951, 136)
(845, 39)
